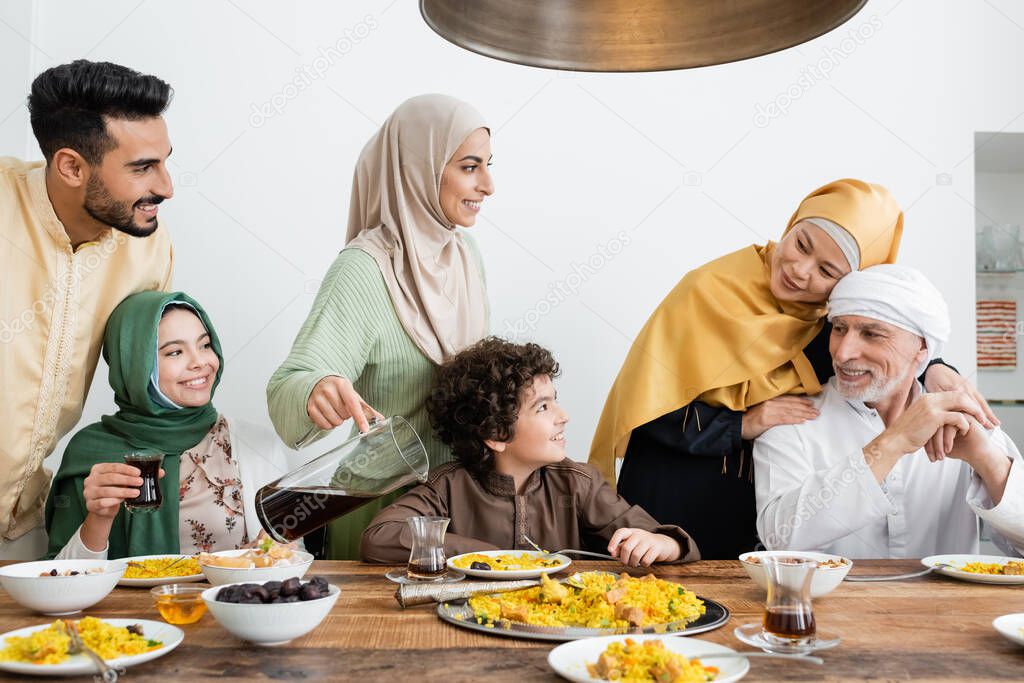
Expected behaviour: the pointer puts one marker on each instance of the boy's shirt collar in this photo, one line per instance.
(505, 486)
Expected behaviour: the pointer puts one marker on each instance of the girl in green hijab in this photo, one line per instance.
(165, 363)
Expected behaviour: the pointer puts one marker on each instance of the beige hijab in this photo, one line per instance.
(396, 217)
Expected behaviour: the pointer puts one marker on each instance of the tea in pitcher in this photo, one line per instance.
(288, 514)
(362, 469)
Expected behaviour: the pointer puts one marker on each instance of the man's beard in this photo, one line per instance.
(102, 206)
(878, 389)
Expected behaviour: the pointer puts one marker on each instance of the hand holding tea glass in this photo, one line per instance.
(108, 485)
(111, 483)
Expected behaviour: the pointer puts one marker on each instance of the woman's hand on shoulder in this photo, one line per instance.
(334, 400)
(781, 410)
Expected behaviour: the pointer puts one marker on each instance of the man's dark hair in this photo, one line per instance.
(69, 104)
(476, 396)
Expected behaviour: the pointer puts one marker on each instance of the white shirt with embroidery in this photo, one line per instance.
(816, 492)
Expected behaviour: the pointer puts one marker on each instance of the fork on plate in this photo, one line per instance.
(77, 646)
(567, 551)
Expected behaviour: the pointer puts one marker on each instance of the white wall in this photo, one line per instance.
(688, 165)
(999, 198)
(16, 70)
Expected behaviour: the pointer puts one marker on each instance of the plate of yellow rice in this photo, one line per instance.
(43, 649)
(154, 570)
(585, 605)
(508, 564)
(980, 568)
(639, 659)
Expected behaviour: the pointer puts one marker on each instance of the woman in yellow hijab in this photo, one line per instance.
(729, 353)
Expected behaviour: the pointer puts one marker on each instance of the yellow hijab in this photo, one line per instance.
(721, 337)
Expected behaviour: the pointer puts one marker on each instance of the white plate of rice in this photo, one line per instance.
(570, 660)
(158, 581)
(960, 561)
(80, 664)
(508, 564)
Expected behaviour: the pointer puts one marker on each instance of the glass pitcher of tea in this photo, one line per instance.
(385, 458)
(788, 618)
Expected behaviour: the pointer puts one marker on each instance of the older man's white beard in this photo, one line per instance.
(878, 389)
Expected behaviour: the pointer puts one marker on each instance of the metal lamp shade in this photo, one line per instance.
(632, 35)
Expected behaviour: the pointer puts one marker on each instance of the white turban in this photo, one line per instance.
(896, 295)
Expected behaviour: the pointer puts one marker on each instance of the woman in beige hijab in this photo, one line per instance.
(406, 292)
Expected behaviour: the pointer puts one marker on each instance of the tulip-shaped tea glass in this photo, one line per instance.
(426, 558)
(390, 455)
(150, 498)
(788, 619)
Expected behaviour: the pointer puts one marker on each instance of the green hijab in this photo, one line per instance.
(129, 348)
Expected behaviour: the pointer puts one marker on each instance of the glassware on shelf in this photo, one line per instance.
(984, 249)
(1006, 247)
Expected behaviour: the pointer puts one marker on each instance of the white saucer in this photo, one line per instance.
(1011, 627)
(753, 635)
(400, 576)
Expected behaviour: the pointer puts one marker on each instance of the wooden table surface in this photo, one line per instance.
(926, 629)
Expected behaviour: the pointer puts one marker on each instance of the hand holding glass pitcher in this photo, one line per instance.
(334, 400)
(387, 457)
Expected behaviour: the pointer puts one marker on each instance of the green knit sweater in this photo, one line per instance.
(353, 331)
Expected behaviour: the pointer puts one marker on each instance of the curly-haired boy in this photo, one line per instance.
(495, 405)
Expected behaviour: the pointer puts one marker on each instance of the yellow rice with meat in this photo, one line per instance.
(632, 662)
(159, 568)
(604, 601)
(50, 645)
(508, 563)
(1011, 568)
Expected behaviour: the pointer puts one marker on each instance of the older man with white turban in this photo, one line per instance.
(856, 481)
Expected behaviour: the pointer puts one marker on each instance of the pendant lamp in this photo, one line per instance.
(632, 35)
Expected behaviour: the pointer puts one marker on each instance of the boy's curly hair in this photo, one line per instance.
(476, 396)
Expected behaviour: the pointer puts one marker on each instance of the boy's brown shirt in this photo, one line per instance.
(563, 505)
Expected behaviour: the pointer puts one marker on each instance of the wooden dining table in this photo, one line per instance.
(932, 628)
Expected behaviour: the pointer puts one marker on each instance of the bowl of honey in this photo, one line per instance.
(180, 603)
